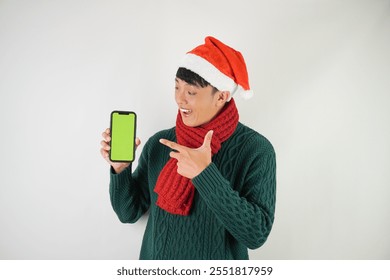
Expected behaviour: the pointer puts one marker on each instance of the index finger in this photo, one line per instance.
(173, 145)
(106, 135)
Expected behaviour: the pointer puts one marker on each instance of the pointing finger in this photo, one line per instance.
(173, 145)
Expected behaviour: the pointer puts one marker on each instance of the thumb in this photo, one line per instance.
(137, 142)
(207, 139)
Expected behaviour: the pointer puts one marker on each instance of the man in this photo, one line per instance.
(209, 183)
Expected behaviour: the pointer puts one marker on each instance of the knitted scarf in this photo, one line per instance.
(175, 192)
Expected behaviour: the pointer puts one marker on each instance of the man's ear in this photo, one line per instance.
(223, 97)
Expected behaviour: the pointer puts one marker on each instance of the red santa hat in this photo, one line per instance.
(220, 65)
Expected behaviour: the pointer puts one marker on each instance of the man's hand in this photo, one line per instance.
(105, 149)
(191, 162)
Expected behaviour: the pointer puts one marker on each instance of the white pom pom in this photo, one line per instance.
(247, 94)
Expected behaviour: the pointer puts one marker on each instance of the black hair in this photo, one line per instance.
(192, 78)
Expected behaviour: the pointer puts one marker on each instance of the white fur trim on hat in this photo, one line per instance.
(210, 73)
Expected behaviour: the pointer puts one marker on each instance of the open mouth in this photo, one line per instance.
(185, 112)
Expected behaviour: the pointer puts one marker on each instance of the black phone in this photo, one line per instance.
(123, 128)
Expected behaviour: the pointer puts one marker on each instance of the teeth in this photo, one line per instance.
(185, 110)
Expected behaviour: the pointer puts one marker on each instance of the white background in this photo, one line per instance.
(320, 71)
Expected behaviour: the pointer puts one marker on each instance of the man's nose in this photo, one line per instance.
(180, 97)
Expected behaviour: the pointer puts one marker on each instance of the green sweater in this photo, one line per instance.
(233, 208)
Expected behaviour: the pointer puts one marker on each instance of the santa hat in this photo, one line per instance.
(220, 65)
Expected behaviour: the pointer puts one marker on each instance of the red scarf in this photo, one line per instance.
(175, 192)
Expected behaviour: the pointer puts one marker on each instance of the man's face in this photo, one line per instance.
(197, 105)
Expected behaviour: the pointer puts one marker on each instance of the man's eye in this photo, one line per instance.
(191, 93)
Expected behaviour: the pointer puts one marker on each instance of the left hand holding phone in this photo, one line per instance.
(105, 152)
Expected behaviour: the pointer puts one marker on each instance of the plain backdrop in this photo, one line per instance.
(320, 71)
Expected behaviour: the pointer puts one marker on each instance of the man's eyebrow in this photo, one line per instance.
(194, 85)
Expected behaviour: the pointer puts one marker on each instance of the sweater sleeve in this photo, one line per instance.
(129, 193)
(247, 214)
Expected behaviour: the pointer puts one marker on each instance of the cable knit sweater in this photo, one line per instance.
(233, 207)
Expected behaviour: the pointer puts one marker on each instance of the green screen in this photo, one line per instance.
(122, 136)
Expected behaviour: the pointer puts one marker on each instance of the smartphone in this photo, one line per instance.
(123, 127)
